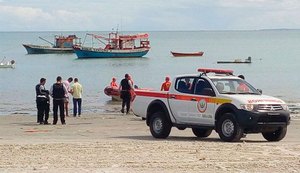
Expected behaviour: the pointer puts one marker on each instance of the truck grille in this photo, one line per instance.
(269, 107)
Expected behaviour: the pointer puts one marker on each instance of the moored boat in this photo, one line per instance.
(115, 46)
(62, 44)
(236, 61)
(8, 64)
(177, 54)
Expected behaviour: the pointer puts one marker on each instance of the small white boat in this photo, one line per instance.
(8, 64)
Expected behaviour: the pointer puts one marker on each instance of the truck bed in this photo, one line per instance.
(144, 98)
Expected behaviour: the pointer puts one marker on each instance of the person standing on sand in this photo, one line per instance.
(166, 85)
(47, 110)
(42, 102)
(58, 92)
(67, 84)
(132, 93)
(125, 90)
(76, 91)
(130, 79)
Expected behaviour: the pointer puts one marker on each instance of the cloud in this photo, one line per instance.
(260, 14)
(33, 15)
(24, 13)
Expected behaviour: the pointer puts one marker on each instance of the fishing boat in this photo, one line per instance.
(114, 46)
(8, 64)
(114, 93)
(178, 54)
(236, 61)
(61, 44)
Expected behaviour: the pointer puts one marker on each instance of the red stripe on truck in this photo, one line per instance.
(151, 94)
(182, 97)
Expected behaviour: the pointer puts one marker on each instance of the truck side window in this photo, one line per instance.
(202, 86)
(184, 85)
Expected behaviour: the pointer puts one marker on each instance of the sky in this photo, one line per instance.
(148, 15)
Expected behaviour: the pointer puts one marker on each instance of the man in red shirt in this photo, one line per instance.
(166, 85)
(242, 86)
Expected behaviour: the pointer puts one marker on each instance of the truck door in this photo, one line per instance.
(188, 107)
(204, 103)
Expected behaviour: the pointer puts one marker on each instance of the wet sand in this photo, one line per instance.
(110, 142)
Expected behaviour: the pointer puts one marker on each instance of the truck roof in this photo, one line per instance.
(210, 75)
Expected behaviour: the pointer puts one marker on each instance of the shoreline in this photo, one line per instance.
(107, 106)
(112, 142)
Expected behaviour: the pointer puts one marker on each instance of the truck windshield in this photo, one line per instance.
(234, 86)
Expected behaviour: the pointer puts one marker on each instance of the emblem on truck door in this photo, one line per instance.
(202, 105)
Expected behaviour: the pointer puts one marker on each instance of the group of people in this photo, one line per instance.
(126, 89)
(127, 93)
(166, 85)
(59, 92)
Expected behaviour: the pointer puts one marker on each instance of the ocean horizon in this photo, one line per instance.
(203, 30)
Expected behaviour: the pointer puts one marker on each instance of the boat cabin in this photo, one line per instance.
(66, 42)
(116, 41)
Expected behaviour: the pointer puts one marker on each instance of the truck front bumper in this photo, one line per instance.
(255, 122)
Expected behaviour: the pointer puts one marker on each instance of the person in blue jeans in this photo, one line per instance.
(76, 91)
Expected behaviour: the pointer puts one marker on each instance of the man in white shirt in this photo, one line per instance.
(67, 84)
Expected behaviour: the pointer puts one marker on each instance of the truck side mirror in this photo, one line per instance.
(208, 92)
(259, 90)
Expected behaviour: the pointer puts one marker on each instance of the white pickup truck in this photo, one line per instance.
(214, 99)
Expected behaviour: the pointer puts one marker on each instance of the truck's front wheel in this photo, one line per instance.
(160, 127)
(277, 135)
(228, 128)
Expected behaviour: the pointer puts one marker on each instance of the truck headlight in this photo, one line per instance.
(247, 107)
(285, 107)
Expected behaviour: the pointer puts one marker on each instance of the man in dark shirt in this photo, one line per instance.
(42, 102)
(125, 88)
(58, 92)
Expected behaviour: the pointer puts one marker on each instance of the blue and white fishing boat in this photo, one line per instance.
(115, 46)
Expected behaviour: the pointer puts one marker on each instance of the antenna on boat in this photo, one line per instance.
(46, 41)
(117, 30)
(3, 59)
(121, 24)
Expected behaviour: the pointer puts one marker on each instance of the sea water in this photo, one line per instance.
(275, 66)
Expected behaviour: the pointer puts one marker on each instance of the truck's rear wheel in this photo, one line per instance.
(160, 127)
(228, 128)
(202, 133)
(276, 135)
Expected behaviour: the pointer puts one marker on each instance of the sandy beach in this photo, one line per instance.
(111, 142)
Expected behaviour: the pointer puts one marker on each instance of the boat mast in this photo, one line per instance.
(47, 41)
